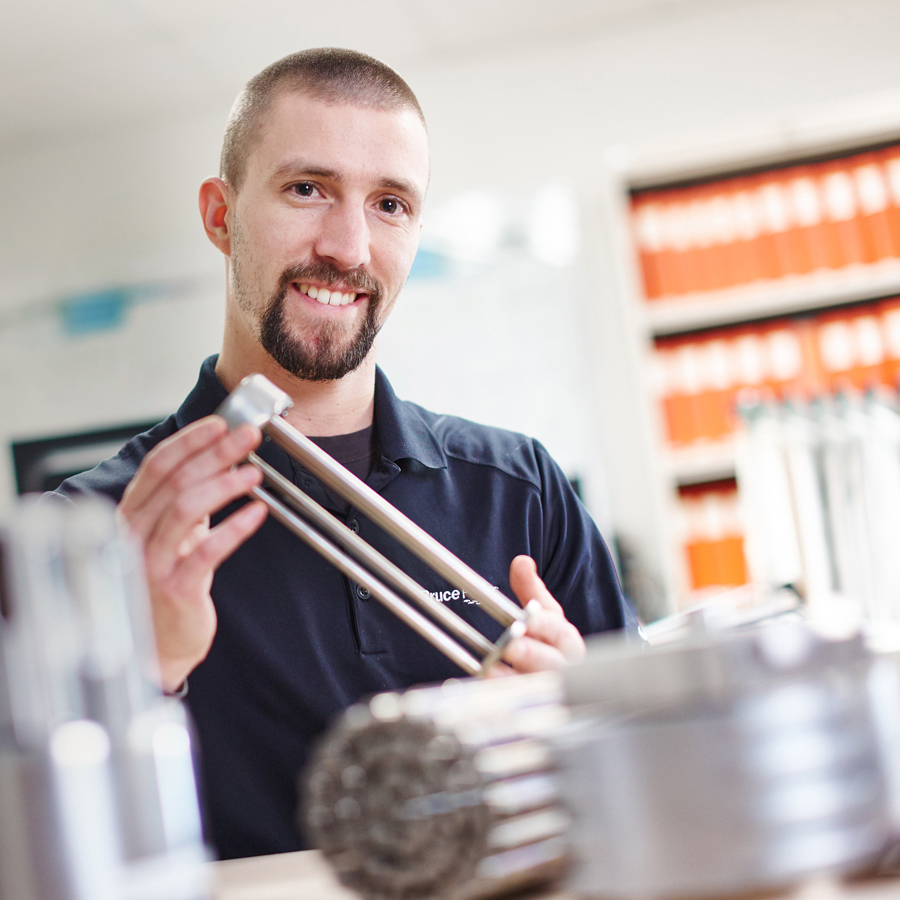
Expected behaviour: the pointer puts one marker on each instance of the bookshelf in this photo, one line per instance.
(765, 263)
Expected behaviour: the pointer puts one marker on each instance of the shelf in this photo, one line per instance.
(793, 136)
(711, 461)
(761, 300)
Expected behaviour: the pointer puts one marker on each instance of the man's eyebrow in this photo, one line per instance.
(404, 187)
(299, 169)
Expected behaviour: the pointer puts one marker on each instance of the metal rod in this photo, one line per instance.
(394, 522)
(352, 569)
(393, 575)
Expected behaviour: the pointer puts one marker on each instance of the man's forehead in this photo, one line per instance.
(301, 130)
(305, 115)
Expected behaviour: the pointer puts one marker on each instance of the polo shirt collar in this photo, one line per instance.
(401, 431)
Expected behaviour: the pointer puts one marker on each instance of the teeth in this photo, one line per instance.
(327, 297)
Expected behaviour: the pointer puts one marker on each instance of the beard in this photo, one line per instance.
(331, 353)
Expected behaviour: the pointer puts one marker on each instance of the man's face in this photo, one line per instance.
(324, 230)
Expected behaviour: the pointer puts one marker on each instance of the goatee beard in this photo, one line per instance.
(329, 354)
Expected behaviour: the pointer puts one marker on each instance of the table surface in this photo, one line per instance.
(298, 876)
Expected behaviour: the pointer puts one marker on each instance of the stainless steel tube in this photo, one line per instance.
(259, 402)
(366, 554)
(395, 523)
(354, 570)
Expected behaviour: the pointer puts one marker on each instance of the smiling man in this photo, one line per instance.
(317, 212)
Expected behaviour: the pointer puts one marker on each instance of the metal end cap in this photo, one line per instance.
(255, 401)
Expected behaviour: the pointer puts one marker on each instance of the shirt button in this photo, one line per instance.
(353, 525)
(362, 592)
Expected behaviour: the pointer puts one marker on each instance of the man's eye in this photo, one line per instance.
(304, 189)
(390, 205)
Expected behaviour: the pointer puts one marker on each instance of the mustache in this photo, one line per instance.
(357, 280)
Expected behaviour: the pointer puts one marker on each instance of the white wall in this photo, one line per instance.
(86, 210)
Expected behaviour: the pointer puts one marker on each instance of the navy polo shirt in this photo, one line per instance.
(297, 642)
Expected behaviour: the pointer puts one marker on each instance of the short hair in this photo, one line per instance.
(330, 74)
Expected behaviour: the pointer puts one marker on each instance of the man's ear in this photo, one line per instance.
(215, 200)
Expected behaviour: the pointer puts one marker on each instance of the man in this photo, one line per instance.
(317, 212)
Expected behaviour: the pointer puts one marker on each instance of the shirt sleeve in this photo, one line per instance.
(577, 566)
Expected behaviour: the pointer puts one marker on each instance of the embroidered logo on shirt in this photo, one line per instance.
(455, 594)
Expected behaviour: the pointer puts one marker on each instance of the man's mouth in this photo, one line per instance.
(326, 296)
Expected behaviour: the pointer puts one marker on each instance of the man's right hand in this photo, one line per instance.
(179, 485)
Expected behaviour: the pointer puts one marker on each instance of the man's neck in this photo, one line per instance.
(321, 408)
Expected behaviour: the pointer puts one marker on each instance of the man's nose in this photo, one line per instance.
(344, 237)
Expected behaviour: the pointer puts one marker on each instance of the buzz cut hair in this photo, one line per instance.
(330, 74)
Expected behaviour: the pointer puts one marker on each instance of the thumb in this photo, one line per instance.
(527, 585)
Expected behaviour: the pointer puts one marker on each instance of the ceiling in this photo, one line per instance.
(70, 66)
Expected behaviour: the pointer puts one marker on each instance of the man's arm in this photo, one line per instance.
(179, 485)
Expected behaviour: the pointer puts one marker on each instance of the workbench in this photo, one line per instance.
(306, 876)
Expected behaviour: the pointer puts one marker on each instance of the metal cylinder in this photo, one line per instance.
(97, 763)
(732, 763)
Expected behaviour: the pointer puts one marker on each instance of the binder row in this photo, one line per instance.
(791, 221)
(711, 534)
(701, 379)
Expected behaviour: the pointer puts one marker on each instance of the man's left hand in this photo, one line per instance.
(551, 641)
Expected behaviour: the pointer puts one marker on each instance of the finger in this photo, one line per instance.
(526, 584)
(216, 458)
(166, 456)
(554, 629)
(526, 654)
(222, 541)
(190, 508)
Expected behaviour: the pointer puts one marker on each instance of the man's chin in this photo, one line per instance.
(316, 367)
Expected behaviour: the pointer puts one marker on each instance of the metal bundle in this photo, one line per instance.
(446, 790)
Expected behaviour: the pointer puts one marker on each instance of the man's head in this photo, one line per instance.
(329, 74)
(324, 170)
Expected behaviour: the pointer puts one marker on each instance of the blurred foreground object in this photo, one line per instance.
(97, 792)
(727, 760)
(820, 483)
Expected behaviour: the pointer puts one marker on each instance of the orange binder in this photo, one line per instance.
(697, 257)
(793, 249)
(647, 228)
(774, 218)
(837, 351)
(679, 392)
(715, 403)
(889, 312)
(890, 162)
(809, 215)
(745, 254)
(718, 229)
(785, 360)
(712, 535)
(844, 240)
(681, 274)
(750, 363)
(873, 201)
